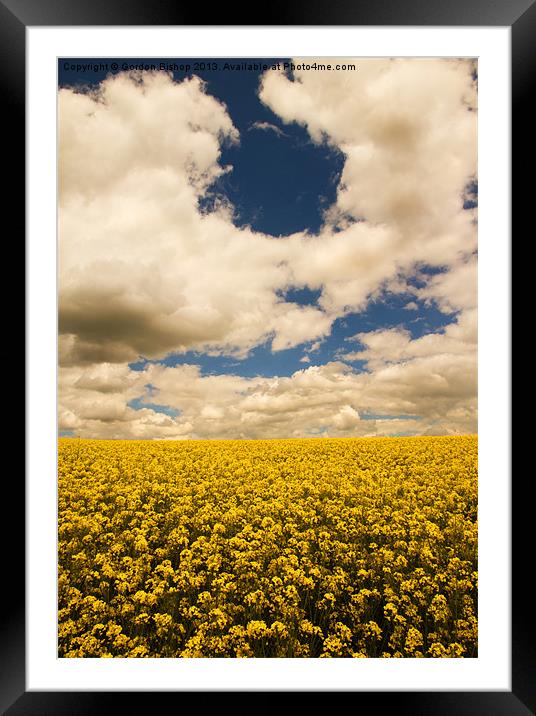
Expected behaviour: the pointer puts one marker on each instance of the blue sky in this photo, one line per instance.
(294, 177)
(298, 179)
(387, 312)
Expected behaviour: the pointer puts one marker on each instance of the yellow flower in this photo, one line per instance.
(325, 547)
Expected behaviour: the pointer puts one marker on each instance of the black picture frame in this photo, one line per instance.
(15, 17)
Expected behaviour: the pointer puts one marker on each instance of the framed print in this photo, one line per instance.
(253, 397)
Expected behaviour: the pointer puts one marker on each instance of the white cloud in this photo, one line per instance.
(439, 389)
(347, 418)
(407, 129)
(144, 271)
(406, 132)
(268, 127)
(394, 345)
(456, 289)
(294, 324)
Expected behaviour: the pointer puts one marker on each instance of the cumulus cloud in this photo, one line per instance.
(268, 127)
(437, 391)
(454, 290)
(395, 345)
(407, 129)
(144, 270)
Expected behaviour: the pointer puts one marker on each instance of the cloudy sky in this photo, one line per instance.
(256, 254)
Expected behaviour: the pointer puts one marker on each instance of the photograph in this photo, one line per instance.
(267, 384)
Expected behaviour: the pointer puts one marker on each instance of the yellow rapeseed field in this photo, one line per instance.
(268, 548)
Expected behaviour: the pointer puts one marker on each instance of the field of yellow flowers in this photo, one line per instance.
(268, 548)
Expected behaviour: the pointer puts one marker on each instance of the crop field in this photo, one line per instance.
(268, 548)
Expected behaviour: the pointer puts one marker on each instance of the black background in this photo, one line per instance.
(15, 15)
